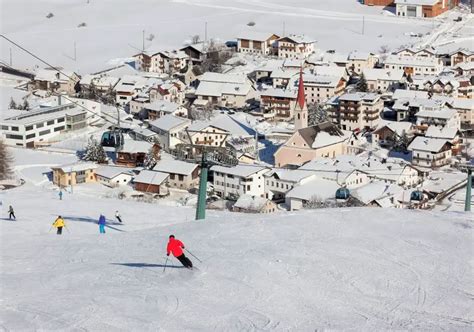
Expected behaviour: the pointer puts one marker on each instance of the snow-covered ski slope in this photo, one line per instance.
(114, 28)
(342, 269)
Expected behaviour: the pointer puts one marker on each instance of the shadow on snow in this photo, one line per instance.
(148, 265)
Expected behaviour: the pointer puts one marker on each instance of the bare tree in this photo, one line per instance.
(150, 37)
(384, 51)
(6, 161)
(204, 113)
(195, 39)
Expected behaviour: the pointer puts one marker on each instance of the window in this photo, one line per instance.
(248, 187)
(51, 122)
(44, 132)
(181, 177)
(28, 128)
(14, 136)
(30, 136)
(5, 127)
(61, 120)
(59, 128)
(172, 176)
(14, 128)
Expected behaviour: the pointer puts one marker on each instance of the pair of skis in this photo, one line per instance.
(166, 262)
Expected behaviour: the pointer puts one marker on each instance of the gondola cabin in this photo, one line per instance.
(342, 194)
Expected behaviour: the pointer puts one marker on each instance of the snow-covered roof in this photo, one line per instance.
(324, 138)
(174, 54)
(172, 166)
(162, 106)
(110, 172)
(427, 144)
(468, 65)
(445, 133)
(330, 71)
(241, 170)
(357, 55)
(401, 94)
(41, 115)
(144, 132)
(251, 203)
(431, 104)
(375, 190)
(200, 125)
(293, 63)
(200, 47)
(75, 167)
(412, 61)
(223, 78)
(255, 35)
(286, 73)
(217, 89)
(233, 124)
(151, 177)
(360, 96)
(376, 74)
(320, 189)
(280, 93)
(310, 134)
(52, 75)
(294, 176)
(132, 146)
(395, 126)
(321, 80)
(299, 39)
(441, 114)
(168, 122)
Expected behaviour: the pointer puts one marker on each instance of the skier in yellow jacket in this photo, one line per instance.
(59, 223)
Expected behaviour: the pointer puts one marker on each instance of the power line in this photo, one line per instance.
(35, 56)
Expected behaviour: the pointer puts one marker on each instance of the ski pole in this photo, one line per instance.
(166, 262)
(192, 255)
(67, 229)
(50, 229)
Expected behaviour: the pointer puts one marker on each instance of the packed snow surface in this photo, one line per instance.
(355, 269)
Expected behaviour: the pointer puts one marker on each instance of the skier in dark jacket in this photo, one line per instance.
(11, 213)
(176, 247)
(102, 224)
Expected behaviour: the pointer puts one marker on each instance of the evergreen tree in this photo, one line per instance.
(13, 105)
(95, 152)
(5, 162)
(404, 141)
(362, 84)
(316, 114)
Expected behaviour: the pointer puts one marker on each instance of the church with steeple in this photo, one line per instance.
(301, 110)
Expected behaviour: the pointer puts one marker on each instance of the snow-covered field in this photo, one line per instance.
(114, 28)
(351, 269)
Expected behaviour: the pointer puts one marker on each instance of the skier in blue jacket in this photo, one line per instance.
(102, 224)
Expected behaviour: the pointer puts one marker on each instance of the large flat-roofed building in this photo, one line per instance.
(28, 128)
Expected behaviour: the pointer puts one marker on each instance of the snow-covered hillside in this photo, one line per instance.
(114, 28)
(355, 269)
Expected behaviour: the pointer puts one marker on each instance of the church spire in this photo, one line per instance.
(300, 100)
(300, 108)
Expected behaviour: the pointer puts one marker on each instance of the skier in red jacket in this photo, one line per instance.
(176, 247)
